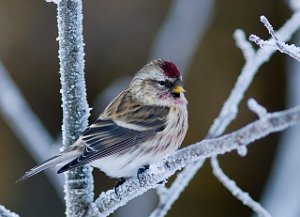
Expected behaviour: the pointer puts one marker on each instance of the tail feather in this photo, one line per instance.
(65, 156)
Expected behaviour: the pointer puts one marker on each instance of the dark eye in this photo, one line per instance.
(162, 83)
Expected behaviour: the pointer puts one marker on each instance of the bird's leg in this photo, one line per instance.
(118, 183)
(141, 170)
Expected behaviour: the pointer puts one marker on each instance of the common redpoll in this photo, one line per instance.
(143, 124)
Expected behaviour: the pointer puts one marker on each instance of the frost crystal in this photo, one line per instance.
(54, 1)
(242, 151)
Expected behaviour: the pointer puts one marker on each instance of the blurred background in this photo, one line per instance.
(120, 37)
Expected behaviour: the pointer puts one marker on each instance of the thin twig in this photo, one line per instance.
(243, 44)
(236, 191)
(274, 43)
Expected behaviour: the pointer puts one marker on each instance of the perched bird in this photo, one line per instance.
(143, 124)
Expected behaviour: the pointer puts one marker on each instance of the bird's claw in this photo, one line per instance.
(118, 183)
(142, 170)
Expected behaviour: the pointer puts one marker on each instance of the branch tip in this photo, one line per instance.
(257, 108)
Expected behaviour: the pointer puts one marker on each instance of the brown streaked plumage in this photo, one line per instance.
(143, 124)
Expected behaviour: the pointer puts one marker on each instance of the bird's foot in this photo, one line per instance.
(118, 183)
(142, 170)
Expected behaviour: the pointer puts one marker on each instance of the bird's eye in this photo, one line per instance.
(162, 83)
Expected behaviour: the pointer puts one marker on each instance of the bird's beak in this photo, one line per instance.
(178, 88)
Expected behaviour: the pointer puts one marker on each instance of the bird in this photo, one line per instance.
(141, 126)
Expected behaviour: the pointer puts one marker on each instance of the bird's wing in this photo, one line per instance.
(106, 136)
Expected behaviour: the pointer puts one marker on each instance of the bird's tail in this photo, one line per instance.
(67, 155)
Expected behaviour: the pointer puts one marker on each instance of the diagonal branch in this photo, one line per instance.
(230, 107)
(235, 190)
(35, 137)
(108, 201)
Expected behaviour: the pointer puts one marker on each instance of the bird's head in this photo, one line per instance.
(160, 83)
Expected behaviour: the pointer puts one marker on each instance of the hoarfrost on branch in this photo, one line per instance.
(79, 182)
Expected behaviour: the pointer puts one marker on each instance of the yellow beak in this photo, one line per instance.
(178, 89)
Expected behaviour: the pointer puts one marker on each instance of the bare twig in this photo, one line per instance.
(243, 44)
(230, 108)
(172, 194)
(291, 50)
(236, 191)
(244, 197)
(281, 194)
(257, 109)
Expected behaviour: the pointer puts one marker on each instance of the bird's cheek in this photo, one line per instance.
(163, 95)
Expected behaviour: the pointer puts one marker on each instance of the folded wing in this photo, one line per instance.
(106, 137)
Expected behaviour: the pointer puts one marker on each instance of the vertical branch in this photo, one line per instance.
(79, 181)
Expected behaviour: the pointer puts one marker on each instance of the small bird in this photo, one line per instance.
(142, 125)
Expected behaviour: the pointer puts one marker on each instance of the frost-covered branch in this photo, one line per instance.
(272, 122)
(230, 108)
(79, 181)
(244, 197)
(257, 109)
(7, 213)
(282, 192)
(35, 137)
(236, 191)
(243, 44)
(170, 195)
(274, 43)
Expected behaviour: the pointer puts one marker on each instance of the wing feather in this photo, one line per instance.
(105, 137)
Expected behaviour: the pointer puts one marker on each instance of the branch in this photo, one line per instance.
(244, 197)
(243, 44)
(236, 191)
(278, 201)
(274, 43)
(171, 194)
(79, 181)
(230, 107)
(108, 201)
(7, 213)
(35, 137)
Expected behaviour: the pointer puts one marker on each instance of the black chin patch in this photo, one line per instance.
(175, 95)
